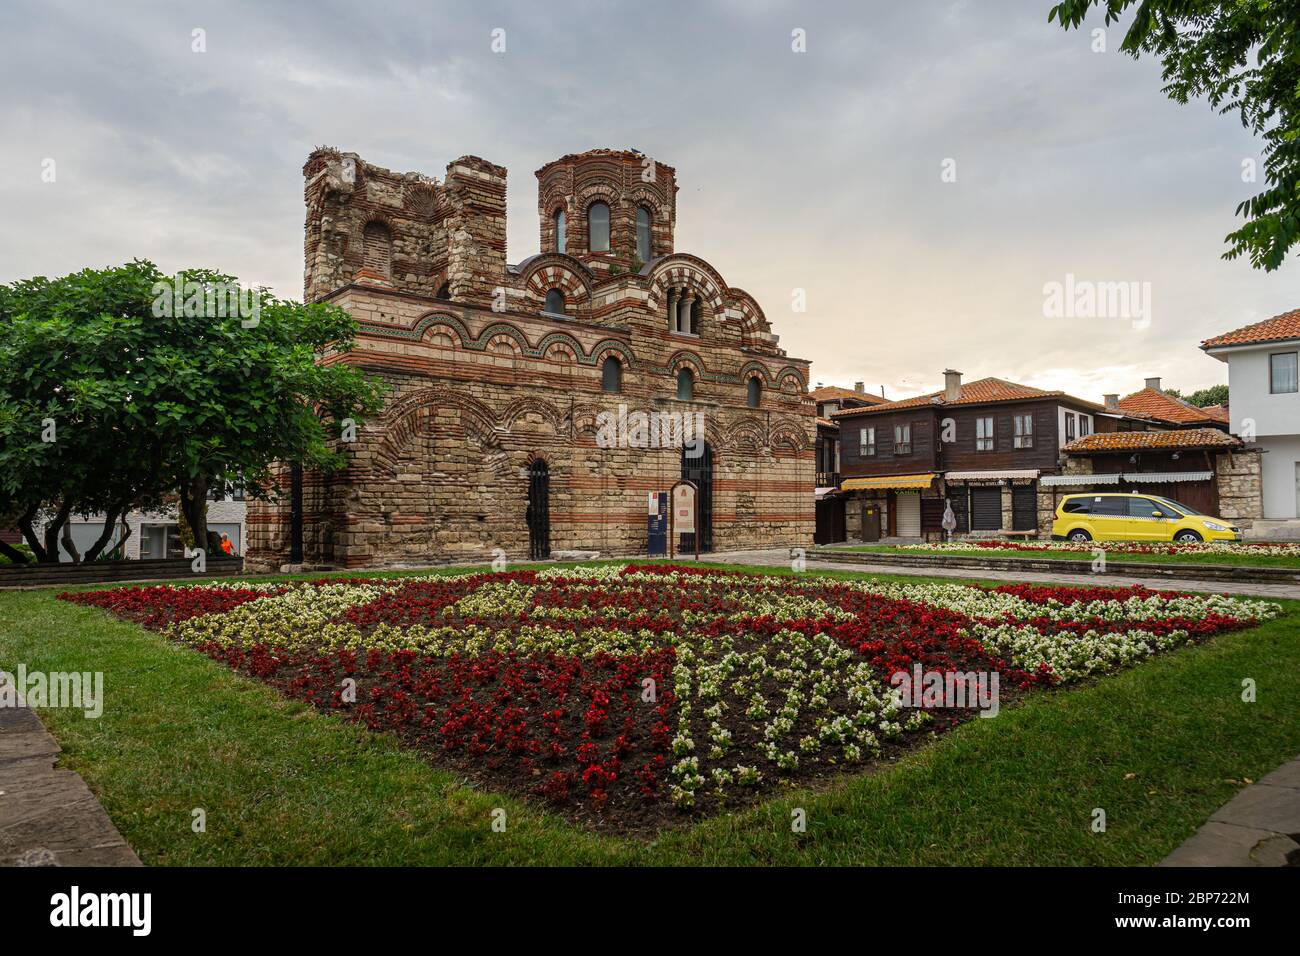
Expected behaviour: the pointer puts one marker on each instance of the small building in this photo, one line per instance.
(829, 501)
(979, 448)
(1264, 380)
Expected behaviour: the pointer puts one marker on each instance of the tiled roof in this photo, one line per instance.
(1277, 329)
(1152, 441)
(1217, 412)
(1166, 407)
(980, 392)
(827, 423)
(828, 393)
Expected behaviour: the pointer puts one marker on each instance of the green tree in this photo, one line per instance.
(1240, 55)
(160, 386)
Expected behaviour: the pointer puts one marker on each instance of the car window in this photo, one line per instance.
(1145, 508)
(1076, 506)
(1109, 505)
(1178, 507)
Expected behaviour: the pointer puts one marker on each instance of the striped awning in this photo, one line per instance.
(1051, 481)
(987, 475)
(1146, 477)
(887, 481)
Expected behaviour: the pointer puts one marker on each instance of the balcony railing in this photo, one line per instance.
(828, 479)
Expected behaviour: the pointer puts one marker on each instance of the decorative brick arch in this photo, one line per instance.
(688, 358)
(749, 434)
(554, 271)
(680, 269)
(444, 322)
(752, 320)
(752, 369)
(413, 415)
(528, 405)
(607, 347)
(789, 433)
(790, 372)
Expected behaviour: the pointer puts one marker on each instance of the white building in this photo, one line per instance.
(1264, 403)
(157, 534)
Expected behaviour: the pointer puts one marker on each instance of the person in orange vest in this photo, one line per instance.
(227, 546)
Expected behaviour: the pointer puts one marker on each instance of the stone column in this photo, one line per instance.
(672, 310)
(684, 316)
(1008, 513)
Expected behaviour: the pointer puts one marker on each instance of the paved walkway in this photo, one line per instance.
(1260, 826)
(780, 557)
(49, 817)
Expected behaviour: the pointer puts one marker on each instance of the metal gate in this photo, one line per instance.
(985, 508)
(539, 511)
(700, 470)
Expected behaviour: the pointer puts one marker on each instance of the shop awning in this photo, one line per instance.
(887, 481)
(1050, 481)
(990, 475)
(1146, 477)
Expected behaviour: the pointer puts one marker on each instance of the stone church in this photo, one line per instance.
(500, 376)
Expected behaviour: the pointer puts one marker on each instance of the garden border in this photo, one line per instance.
(1187, 572)
(102, 572)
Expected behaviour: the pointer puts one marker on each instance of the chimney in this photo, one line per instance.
(951, 385)
(1112, 401)
(1154, 383)
(860, 387)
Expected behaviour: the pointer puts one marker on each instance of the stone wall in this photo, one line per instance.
(1237, 476)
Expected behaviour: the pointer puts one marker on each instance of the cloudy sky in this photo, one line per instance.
(830, 170)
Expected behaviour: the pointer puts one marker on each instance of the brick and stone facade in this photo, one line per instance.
(485, 379)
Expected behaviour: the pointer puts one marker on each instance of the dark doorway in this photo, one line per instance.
(830, 520)
(539, 511)
(871, 520)
(1024, 507)
(700, 470)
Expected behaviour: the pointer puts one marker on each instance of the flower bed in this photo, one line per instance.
(635, 695)
(1274, 549)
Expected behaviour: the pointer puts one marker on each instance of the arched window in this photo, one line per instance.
(695, 318)
(754, 394)
(643, 233)
(612, 375)
(554, 302)
(377, 248)
(560, 238)
(598, 227)
(685, 385)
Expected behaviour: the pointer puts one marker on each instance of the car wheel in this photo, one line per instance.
(1187, 537)
(1080, 536)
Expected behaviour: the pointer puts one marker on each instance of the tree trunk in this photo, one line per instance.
(29, 534)
(110, 520)
(53, 530)
(12, 553)
(194, 505)
(68, 544)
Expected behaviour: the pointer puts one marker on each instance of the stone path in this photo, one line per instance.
(780, 557)
(48, 816)
(1260, 826)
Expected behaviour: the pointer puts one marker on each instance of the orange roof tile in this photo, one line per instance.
(828, 393)
(1277, 329)
(1158, 441)
(979, 392)
(1166, 407)
(1217, 412)
(828, 423)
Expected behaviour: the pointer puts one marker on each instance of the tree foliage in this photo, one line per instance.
(1242, 56)
(116, 394)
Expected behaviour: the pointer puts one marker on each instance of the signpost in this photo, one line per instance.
(684, 515)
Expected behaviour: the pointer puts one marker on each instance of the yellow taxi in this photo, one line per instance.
(1122, 517)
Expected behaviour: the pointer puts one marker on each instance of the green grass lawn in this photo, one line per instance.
(1159, 747)
(1240, 560)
